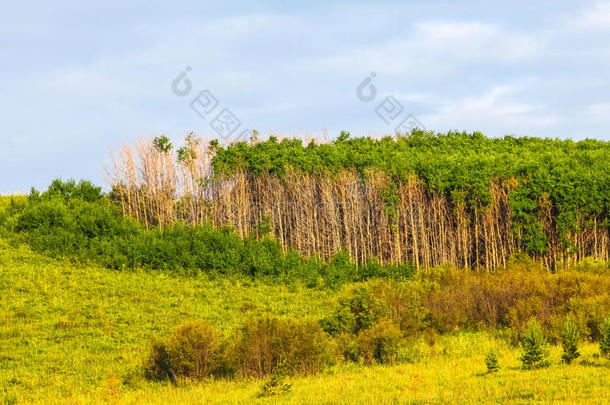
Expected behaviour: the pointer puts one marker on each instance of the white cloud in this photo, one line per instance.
(597, 17)
(434, 48)
(601, 110)
(496, 112)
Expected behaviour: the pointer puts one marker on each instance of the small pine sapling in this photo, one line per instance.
(491, 361)
(535, 348)
(604, 341)
(570, 335)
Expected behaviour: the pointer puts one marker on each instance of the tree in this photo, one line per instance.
(535, 348)
(570, 335)
(604, 342)
(162, 144)
(491, 361)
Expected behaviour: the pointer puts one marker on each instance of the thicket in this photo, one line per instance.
(262, 347)
(424, 199)
(377, 322)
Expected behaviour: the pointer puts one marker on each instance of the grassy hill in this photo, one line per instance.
(64, 328)
(74, 334)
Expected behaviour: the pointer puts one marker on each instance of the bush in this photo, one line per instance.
(535, 348)
(491, 361)
(570, 336)
(347, 346)
(191, 349)
(509, 298)
(276, 384)
(159, 366)
(263, 344)
(358, 309)
(189, 352)
(604, 341)
(381, 343)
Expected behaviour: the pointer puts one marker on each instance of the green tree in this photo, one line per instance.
(570, 335)
(162, 144)
(535, 348)
(604, 342)
(491, 361)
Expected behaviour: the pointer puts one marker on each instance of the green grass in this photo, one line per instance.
(65, 328)
(74, 334)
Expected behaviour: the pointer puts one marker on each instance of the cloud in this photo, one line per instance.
(496, 112)
(600, 111)
(433, 49)
(596, 17)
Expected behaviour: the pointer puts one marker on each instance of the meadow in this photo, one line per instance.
(74, 334)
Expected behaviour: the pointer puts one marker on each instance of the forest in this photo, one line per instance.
(425, 199)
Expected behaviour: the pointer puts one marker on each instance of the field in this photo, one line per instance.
(75, 334)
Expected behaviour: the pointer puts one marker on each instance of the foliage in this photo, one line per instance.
(571, 176)
(356, 310)
(75, 220)
(491, 361)
(275, 384)
(510, 297)
(535, 348)
(159, 364)
(191, 350)
(570, 335)
(264, 344)
(162, 144)
(380, 343)
(604, 341)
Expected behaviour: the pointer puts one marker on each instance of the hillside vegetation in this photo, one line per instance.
(431, 268)
(426, 199)
(74, 334)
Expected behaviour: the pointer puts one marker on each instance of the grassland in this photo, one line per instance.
(65, 328)
(73, 334)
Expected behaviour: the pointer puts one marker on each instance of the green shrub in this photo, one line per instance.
(381, 343)
(570, 335)
(491, 361)
(189, 353)
(301, 347)
(404, 303)
(535, 348)
(191, 349)
(159, 366)
(358, 309)
(604, 341)
(275, 384)
(347, 346)
(339, 270)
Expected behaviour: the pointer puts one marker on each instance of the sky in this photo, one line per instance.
(80, 79)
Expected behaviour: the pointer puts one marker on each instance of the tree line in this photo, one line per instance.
(425, 199)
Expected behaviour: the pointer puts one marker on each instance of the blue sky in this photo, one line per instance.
(78, 79)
